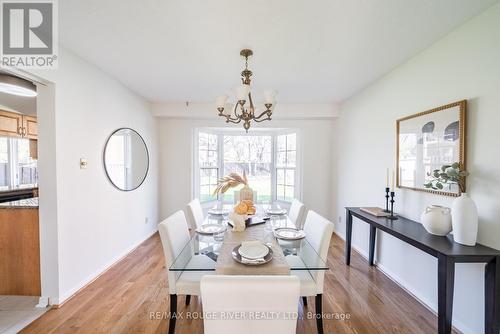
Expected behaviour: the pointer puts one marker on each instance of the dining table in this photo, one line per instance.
(214, 253)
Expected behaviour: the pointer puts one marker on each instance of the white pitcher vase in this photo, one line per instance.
(246, 193)
(436, 220)
(464, 220)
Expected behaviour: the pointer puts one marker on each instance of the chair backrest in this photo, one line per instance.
(318, 231)
(174, 234)
(296, 212)
(225, 296)
(195, 213)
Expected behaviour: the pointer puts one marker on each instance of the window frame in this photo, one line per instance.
(195, 172)
(273, 133)
(296, 194)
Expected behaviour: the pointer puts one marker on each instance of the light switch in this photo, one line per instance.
(83, 163)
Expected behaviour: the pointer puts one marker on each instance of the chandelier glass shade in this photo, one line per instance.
(244, 109)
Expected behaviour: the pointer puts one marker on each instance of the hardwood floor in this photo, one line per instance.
(122, 300)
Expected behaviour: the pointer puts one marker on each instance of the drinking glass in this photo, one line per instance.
(219, 236)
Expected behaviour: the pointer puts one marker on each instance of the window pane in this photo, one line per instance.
(203, 158)
(27, 167)
(291, 142)
(289, 195)
(291, 159)
(213, 177)
(204, 176)
(251, 154)
(205, 193)
(281, 159)
(212, 159)
(281, 143)
(280, 192)
(4, 162)
(203, 141)
(290, 177)
(212, 142)
(280, 176)
(211, 188)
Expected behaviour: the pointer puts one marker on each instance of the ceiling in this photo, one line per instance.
(22, 104)
(321, 51)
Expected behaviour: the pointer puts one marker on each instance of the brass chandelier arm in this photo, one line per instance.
(266, 112)
(228, 119)
(232, 119)
(258, 120)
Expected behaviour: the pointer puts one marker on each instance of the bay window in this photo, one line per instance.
(268, 158)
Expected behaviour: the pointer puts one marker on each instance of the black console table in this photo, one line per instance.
(448, 253)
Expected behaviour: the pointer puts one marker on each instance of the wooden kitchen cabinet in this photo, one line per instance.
(30, 126)
(19, 252)
(18, 125)
(11, 124)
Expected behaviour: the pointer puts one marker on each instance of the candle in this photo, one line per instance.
(387, 179)
(393, 178)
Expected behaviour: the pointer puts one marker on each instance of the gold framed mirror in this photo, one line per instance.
(426, 142)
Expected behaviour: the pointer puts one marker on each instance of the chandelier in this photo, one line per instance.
(244, 108)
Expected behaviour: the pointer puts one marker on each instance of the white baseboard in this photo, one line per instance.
(457, 325)
(66, 296)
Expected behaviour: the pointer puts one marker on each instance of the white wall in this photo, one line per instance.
(96, 224)
(176, 142)
(282, 111)
(464, 65)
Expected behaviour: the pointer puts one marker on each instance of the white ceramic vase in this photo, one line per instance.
(436, 220)
(246, 193)
(464, 220)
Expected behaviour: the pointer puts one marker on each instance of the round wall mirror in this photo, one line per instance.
(126, 159)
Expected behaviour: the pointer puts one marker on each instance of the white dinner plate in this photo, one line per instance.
(218, 212)
(276, 211)
(249, 262)
(289, 233)
(254, 251)
(210, 228)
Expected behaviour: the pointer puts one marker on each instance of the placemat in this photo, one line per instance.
(226, 265)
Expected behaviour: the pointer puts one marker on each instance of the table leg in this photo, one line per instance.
(492, 296)
(446, 280)
(373, 232)
(348, 236)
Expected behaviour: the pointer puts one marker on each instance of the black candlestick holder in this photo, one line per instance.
(392, 216)
(387, 200)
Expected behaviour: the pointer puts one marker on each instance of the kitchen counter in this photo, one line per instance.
(28, 203)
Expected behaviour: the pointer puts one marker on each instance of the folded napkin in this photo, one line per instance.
(238, 221)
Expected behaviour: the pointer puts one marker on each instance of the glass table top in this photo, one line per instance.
(202, 251)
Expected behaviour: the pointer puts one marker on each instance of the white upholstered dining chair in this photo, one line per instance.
(296, 212)
(318, 233)
(195, 214)
(246, 295)
(175, 236)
